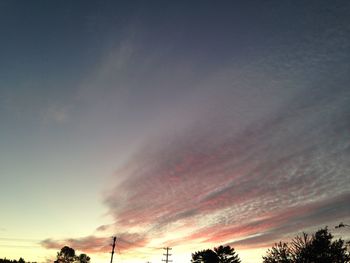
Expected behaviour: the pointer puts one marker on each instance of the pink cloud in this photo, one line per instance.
(89, 244)
(233, 180)
(93, 244)
(249, 188)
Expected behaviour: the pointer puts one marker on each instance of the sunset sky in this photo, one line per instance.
(183, 124)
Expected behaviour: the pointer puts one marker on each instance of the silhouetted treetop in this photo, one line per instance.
(67, 255)
(318, 248)
(21, 260)
(221, 254)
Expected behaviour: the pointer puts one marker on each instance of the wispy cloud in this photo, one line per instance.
(275, 177)
(257, 151)
(94, 244)
(90, 244)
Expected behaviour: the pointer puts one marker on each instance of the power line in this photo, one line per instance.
(140, 251)
(128, 246)
(138, 244)
(120, 255)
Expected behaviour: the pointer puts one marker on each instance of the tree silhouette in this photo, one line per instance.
(83, 258)
(205, 256)
(221, 254)
(226, 254)
(21, 260)
(280, 253)
(321, 248)
(67, 255)
(310, 249)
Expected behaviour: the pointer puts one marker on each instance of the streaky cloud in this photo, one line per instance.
(283, 165)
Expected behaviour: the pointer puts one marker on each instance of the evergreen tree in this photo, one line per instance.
(221, 254)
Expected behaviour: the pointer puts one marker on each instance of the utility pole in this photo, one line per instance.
(113, 247)
(167, 260)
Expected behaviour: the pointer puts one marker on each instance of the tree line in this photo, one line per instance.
(316, 248)
(319, 247)
(65, 255)
(20, 260)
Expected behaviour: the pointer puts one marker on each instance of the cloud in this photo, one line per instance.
(271, 229)
(289, 168)
(89, 244)
(251, 153)
(94, 244)
(102, 228)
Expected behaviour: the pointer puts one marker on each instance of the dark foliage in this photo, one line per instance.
(21, 260)
(221, 254)
(280, 253)
(227, 254)
(205, 256)
(67, 255)
(318, 248)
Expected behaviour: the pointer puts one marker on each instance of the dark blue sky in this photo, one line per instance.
(63, 36)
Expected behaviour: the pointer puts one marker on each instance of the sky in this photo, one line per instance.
(182, 124)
